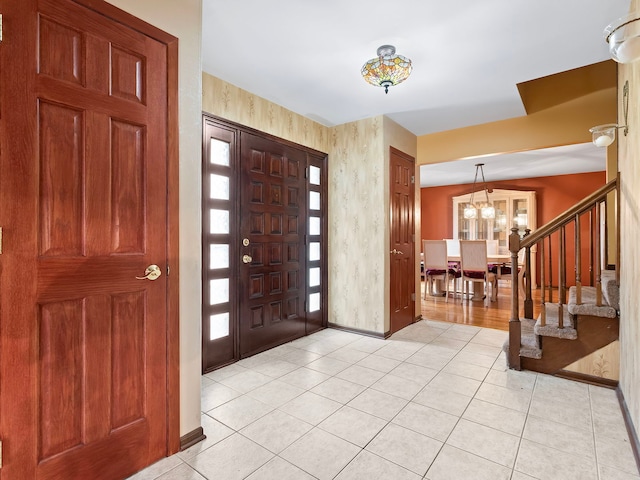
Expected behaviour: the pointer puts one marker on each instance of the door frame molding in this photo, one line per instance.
(173, 207)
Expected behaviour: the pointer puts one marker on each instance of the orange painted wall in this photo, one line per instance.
(554, 195)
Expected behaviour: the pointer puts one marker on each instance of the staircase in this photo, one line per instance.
(565, 330)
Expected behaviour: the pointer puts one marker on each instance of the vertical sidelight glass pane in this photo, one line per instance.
(314, 276)
(219, 152)
(314, 175)
(218, 221)
(314, 200)
(314, 302)
(218, 256)
(219, 187)
(314, 225)
(218, 291)
(314, 251)
(218, 326)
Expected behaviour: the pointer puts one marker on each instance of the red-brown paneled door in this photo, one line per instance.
(273, 217)
(402, 241)
(83, 195)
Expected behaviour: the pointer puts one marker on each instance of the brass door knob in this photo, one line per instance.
(246, 258)
(151, 273)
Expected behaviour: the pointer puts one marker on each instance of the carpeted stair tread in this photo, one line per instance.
(528, 340)
(551, 329)
(610, 288)
(588, 305)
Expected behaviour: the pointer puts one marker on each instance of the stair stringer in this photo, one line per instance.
(593, 333)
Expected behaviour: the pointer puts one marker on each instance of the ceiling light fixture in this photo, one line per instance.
(623, 37)
(487, 210)
(604, 135)
(387, 69)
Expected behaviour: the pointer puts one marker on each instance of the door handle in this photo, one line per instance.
(246, 259)
(396, 252)
(151, 273)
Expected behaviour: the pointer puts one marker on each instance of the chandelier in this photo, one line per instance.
(387, 69)
(486, 208)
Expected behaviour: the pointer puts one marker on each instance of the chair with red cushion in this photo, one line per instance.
(503, 271)
(474, 268)
(436, 266)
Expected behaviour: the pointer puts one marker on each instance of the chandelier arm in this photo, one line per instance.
(484, 185)
(473, 188)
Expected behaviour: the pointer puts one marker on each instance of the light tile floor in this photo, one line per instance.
(435, 401)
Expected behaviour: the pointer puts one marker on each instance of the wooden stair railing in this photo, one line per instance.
(590, 206)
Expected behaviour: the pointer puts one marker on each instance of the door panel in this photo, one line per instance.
(219, 246)
(273, 213)
(402, 257)
(84, 194)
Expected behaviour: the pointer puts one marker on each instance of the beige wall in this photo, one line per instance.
(629, 165)
(183, 19)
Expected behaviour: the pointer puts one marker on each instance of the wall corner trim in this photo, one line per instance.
(633, 434)
(368, 333)
(191, 438)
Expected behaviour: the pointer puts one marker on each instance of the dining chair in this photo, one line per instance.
(453, 247)
(503, 271)
(474, 268)
(436, 266)
(493, 247)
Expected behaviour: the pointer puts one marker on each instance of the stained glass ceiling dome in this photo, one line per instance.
(387, 69)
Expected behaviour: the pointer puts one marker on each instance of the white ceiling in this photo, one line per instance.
(545, 162)
(468, 55)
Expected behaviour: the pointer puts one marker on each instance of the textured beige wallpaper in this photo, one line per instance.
(358, 196)
(234, 104)
(629, 165)
(604, 363)
(357, 226)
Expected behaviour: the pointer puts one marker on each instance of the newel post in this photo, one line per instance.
(513, 356)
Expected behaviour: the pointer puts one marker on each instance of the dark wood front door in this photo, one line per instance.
(273, 225)
(402, 242)
(264, 242)
(83, 204)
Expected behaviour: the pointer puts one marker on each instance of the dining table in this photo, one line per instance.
(478, 291)
(495, 258)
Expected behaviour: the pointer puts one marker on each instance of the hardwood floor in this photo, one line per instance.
(496, 315)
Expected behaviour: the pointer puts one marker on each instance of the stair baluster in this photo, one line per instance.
(550, 257)
(578, 268)
(591, 247)
(543, 309)
(598, 259)
(562, 276)
(528, 300)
